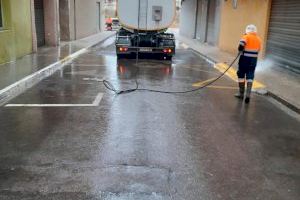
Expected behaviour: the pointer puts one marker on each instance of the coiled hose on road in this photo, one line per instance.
(110, 86)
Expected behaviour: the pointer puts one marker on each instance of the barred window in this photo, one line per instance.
(1, 23)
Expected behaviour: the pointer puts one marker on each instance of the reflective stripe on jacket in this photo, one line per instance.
(252, 45)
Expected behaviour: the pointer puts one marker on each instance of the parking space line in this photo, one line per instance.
(222, 87)
(185, 46)
(231, 73)
(199, 84)
(95, 103)
(98, 99)
(49, 105)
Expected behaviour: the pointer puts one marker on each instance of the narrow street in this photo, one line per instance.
(68, 137)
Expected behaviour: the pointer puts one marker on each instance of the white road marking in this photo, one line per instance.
(95, 103)
(93, 79)
(98, 99)
(49, 105)
(185, 46)
(87, 65)
(86, 72)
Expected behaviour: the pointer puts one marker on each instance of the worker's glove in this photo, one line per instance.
(241, 48)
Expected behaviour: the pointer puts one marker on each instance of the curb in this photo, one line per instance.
(267, 93)
(284, 102)
(29, 81)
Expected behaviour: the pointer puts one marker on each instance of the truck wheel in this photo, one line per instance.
(168, 57)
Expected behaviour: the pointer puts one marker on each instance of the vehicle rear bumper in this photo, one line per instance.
(145, 50)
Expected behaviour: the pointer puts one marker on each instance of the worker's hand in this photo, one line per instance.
(241, 48)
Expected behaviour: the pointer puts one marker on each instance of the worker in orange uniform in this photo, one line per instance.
(108, 23)
(249, 47)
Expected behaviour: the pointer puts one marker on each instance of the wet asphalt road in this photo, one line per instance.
(204, 145)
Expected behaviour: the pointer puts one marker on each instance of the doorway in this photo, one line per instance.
(39, 22)
(99, 16)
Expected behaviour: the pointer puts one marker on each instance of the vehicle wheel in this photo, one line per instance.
(168, 57)
(119, 56)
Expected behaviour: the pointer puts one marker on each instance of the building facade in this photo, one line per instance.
(26, 25)
(222, 22)
(15, 29)
(110, 8)
(235, 17)
(200, 19)
(66, 20)
(83, 18)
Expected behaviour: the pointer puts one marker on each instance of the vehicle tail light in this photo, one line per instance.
(167, 50)
(123, 49)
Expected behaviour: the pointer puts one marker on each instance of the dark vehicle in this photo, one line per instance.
(160, 43)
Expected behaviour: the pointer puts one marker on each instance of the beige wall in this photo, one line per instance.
(51, 20)
(234, 21)
(16, 36)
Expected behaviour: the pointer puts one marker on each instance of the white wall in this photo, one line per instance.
(86, 17)
(188, 18)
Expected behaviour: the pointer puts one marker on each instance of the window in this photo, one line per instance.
(123, 40)
(1, 23)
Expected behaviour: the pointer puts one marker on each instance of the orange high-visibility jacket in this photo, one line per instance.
(108, 21)
(251, 45)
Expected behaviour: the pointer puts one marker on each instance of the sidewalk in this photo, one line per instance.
(23, 73)
(280, 83)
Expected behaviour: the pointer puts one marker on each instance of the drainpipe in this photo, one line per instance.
(235, 4)
(75, 21)
(33, 27)
(196, 19)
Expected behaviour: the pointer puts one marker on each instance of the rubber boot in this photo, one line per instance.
(240, 95)
(248, 92)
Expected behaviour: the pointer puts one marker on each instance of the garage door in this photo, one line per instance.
(39, 22)
(283, 45)
(213, 22)
(201, 20)
(208, 21)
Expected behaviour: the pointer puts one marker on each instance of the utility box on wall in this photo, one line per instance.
(157, 13)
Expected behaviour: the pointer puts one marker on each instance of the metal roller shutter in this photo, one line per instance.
(39, 22)
(284, 34)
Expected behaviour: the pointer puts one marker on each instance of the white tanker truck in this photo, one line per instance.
(144, 24)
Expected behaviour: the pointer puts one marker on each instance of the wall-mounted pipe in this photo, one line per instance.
(234, 3)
